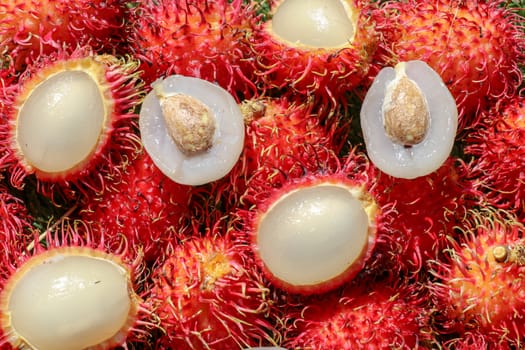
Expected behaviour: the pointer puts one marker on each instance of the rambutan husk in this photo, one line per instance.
(145, 206)
(119, 90)
(32, 28)
(201, 39)
(476, 47)
(426, 211)
(478, 285)
(324, 73)
(15, 221)
(353, 174)
(364, 315)
(50, 251)
(497, 148)
(208, 296)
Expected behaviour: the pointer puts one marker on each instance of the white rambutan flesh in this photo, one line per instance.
(315, 235)
(409, 120)
(68, 301)
(60, 123)
(314, 23)
(192, 129)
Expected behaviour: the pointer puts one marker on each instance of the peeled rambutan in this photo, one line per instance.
(479, 286)
(475, 46)
(498, 149)
(200, 39)
(68, 292)
(379, 315)
(31, 28)
(144, 206)
(316, 48)
(314, 232)
(207, 296)
(71, 120)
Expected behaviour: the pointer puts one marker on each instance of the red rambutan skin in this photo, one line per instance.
(323, 73)
(31, 28)
(200, 39)
(207, 296)
(377, 315)
(117, 143)
(477, 288)
(144, 205)
(426, 210)
(15, 223)
(476, 47)
(498, 149)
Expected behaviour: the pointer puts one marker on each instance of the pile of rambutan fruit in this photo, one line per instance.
(295, 174)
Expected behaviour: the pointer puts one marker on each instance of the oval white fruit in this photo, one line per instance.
(421, 146)
(210, 162)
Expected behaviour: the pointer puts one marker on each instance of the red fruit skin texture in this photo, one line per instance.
(199, 39)
(207, 296)
(31, 28)
(476, 47)
(144, 205)
(497, 146)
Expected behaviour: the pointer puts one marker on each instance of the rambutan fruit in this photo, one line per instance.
(15, 219)
(31, 28)
(426, 210)
(192, 129)
(479, 287)
(379, 315)
(207, 296)
(315, 48)
(409, 120)
(71, 120)
(498, 149)
(201, 39)
(144, 206)
(313, 233)
(475, 46)
(69, 292)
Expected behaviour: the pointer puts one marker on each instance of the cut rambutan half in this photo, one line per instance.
(72, 120)
(68, 292)
(208, 296)
(310, 234)
(497, 146)
(480, 285)
(31, 28)
(144, 206)
(200, 39)
(317, 48)
(379, 315)
(476, 47)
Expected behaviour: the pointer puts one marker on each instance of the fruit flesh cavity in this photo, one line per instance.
(424, 157)
(313, 235)
(69, 302)
(314, 23)
(60, 123)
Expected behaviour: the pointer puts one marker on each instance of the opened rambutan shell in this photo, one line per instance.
(321, 49)
(476, 47)
(144, 206)
(31, 28)
(80, 138)
(498, 149)
(65, 291)
(479, 286)
(207, 296)
(200, 39)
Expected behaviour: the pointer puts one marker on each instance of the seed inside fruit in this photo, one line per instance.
(313, 234)
(409, 106)
(189, 122)
(405, 112)
(69, 301)
(315, 23)
(60, 122)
